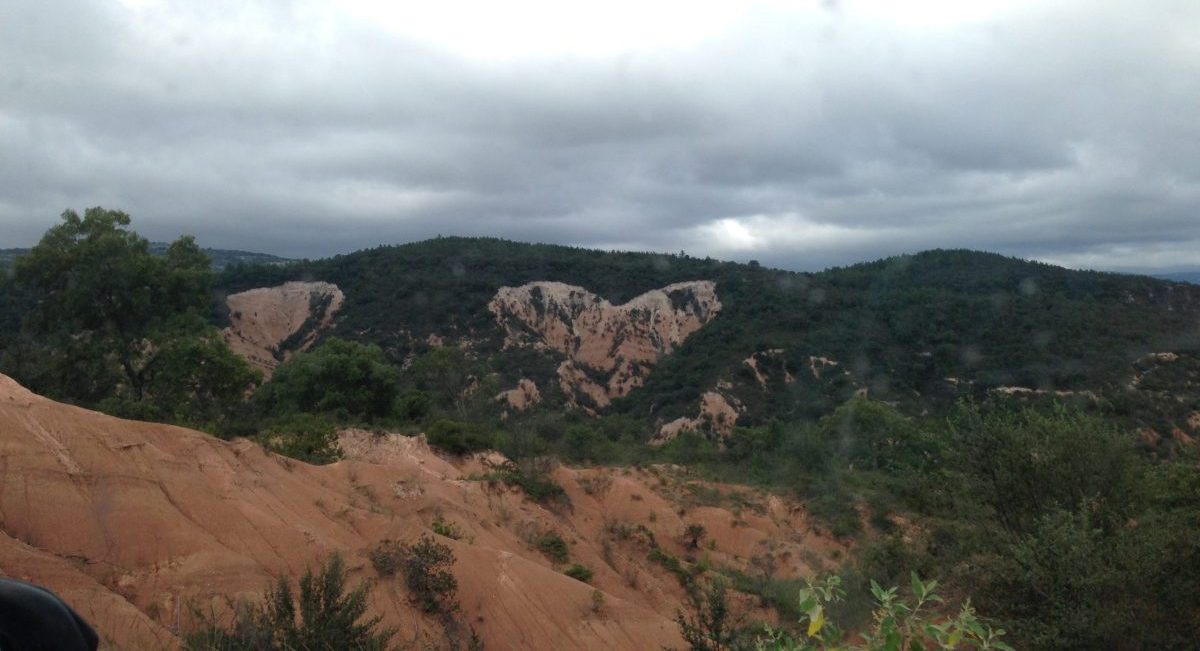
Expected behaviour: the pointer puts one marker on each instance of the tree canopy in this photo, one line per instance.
(114, 326)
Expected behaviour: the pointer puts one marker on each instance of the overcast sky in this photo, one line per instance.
(801, 134)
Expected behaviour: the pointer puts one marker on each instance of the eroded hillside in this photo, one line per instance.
(269, 324)
(137, 524)
(609, 348)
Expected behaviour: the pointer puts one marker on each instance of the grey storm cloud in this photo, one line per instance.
(801, 137)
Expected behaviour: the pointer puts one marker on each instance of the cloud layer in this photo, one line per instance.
(801, 136)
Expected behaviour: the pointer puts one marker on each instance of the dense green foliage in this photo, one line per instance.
(897, 624)
(1055, 524)
(309, 438)
(579, 572)
(110, 325)
(322, 617)
(898, 327)
(345, 379)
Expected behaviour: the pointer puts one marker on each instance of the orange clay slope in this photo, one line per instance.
(140, 525)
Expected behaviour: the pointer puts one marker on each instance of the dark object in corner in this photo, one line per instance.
(33, 619)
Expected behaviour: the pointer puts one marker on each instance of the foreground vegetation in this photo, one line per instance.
(322, 617)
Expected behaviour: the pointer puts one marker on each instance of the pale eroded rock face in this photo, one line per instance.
(522, 397)
(610, 348)
(270, 324)
(718, 413)
(767, 362)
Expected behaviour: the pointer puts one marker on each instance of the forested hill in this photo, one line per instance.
(937, 324)
(220, 258)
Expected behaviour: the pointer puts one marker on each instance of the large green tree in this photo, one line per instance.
(116, 326)
(342, 378)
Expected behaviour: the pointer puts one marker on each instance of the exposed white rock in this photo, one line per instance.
(609, 348)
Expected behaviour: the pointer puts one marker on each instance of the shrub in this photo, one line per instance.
(458, 437)
(412, 405)
(533, 477)
(446, 528)
(712, 626)
(597, 601)
(426, 567)
(325, 618)
(579, 572)
(387, 557)
(308, 438)
(553, 546)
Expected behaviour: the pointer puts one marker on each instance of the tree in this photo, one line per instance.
(1023, 465)
(343, 378)
(117, 325)
(873, 435)
(446, 374)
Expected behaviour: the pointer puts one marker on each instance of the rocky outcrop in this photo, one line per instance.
(270, 324)
(818, 366)
(609, 348)
(765, 365)
(521, 397)
(718, 414)
(1027, 392)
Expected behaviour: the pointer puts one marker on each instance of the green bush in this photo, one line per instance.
(387, 557)
(307, 437)
(553, 546)
(412, 405)
(532, 476)
(579, 572)
(712, 625)
(458, 437)
(446, 528)
(426, 566)
(325, 618)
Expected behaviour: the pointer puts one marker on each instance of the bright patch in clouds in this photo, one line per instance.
(747, 234)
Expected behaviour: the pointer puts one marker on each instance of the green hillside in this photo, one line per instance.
(900, 326)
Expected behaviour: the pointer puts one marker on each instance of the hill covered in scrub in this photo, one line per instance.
(918, 330)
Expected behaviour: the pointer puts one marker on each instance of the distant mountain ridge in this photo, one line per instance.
(1182, 277)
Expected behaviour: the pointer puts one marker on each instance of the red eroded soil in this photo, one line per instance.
(137, 525)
